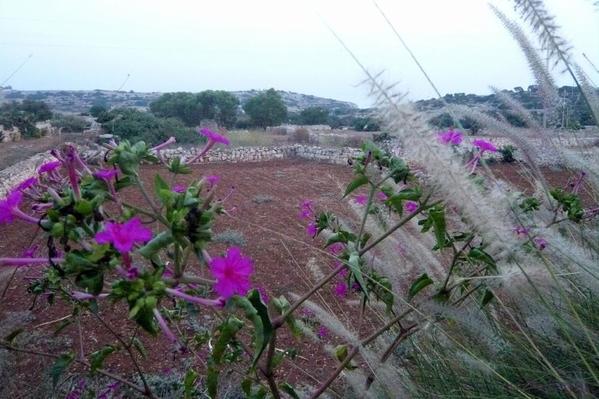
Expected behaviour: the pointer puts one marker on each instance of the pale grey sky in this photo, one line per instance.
(193, 45)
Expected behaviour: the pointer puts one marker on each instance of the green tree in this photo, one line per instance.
(366, 125)
(97, 110)
(266, 109)
(135, 125)
(24, 115)
(314, 116)
(191, 109)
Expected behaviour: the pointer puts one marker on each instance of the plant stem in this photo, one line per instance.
(269, 371)
(278, 322)
(395, 227)
(108, 374)
(147, 391)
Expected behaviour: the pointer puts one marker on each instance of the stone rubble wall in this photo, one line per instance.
(20, 171)
(260, 154)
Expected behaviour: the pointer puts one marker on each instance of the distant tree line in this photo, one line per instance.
(24, 115)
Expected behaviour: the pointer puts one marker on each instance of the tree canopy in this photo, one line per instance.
(192, 108)
(314, 116)
(135, 125)
(24, 115)
(266, 109)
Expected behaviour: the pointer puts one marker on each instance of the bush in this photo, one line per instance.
(507, 153)
(69, 123)
(300, 135)
(131, 124)
(366, 125)
(266, 109)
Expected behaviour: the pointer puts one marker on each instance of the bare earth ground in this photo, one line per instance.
(280, 266)
(13, 152)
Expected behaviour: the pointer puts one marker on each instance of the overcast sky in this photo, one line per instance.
(193, 45)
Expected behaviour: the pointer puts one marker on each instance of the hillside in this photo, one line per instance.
(80, 100)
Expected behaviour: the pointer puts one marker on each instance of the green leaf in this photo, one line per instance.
(487, 297)
(421, 282)
(139, 346)
(212, 380)
(354, 266)
(61, 364)
(189, 383)
(477, 254)
(341, 352)
(257, 313)
(354, 184)
(92, 281)
(84, 207)
(97, 358)
(289, 390)
(178, 167)
(162, 240)
(11, 337)
(437, 215)
(227, 329)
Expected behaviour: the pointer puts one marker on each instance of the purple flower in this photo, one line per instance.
(49, 167)
(105, 174)
(179, 188)
(361, 199)
(29, 252)
(311, 229)
(381, 196)
(306, 209)
(9, 209)
(212, 180)
(124, 235)
(213, 136)
(484, 145)
(232, 273)
(540, 243)
(410, 206)
(341, 289)
(322, 332)
(336, 248)
(521, 231)
(27, 183)
(450, 137)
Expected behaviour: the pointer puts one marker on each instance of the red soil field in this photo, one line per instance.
(264, 202)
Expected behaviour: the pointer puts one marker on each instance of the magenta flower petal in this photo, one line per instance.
(232, 273)
(306, 209)
(105, 174)
(212, 180)
(484, 145)
(361, 199)
(27, 183)
(540, 243)
(179, 188)
(49, 167)
(450, 137)
(123, 236)
(341, 289)
(410, 206)
(8, 206)
(213, 136)
(311, 229)
(381, 196)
